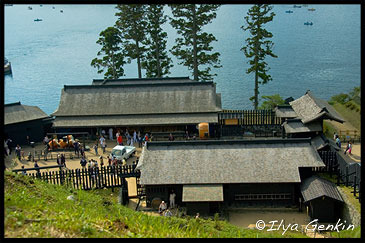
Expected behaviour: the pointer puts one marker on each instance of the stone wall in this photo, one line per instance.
(349, 212)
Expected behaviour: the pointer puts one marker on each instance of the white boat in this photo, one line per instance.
(7, 66)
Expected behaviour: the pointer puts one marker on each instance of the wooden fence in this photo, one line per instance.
(349, 135)
(347, 173)
(87, 178)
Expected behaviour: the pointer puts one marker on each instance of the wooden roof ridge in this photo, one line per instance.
(65, 87)
(229, 141)
(139, 79)
(11, 104)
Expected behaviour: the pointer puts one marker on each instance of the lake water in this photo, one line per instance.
(57, 51)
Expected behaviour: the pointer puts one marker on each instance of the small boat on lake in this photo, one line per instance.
(311, 9)
(38, 20)
(308, 23)
(61, 11)
(297, 6)
(288, 11)
(30, 8)
(53, 7)
(7, 66)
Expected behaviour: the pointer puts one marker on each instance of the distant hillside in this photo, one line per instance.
(36, 209)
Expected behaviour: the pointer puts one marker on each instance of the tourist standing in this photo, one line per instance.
(18, 150)
(135, 136)
(101, 161)
(58, 159)
(111, 133)
(77, 147)
(347, 147)
(120, 140)
(102, 143)
(350, 147)
(24, 172)
(83, 162)
(334, 136)
(63, 160)
(171, 138)
(82, 150)
(9, 143)
(172, 199)
(338, 141)
(103, 133)
(109, 160)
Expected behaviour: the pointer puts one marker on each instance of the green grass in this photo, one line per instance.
(328, 129)
(353, 117)
(36, 209)
(356, 233)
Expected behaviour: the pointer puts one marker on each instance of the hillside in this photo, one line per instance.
(36, 209)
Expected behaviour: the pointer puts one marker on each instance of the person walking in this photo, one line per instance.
(102, 143)
(63, 160)
(347, 147)
(96, 148)
(350, 148)
(135, 136)
(111, 134)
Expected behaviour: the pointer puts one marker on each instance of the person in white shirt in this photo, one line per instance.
(172, 199)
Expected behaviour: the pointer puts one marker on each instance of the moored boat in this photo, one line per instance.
(30, 8)
(311, 9)
(7, 66)
(297, 6)
(308, 23)
(38, 20)
(288, 11)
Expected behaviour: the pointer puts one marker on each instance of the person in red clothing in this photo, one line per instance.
(120, 140)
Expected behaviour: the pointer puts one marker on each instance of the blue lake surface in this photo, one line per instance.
(57, 51)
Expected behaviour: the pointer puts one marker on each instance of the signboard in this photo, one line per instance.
(230, 121)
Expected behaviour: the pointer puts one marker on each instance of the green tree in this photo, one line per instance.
(156, 62)
(271, 101)
(194, 48)
(132, 25)
(258, 46)
(112, 58)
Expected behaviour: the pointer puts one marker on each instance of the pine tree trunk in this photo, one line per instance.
(256, 90)
(158, 60)
(138, 61)
(194, 46)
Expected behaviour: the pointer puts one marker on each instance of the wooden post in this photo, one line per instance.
(355, 186)
(347, 176)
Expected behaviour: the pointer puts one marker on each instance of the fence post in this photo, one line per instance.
(355, 186)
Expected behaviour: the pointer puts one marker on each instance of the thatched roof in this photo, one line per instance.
(297, 126)
(16, 113)
(202, 193)
(316, 187)
(97, 102)
(141, 80)
(226, 161)
(309, 108)
(285, 112)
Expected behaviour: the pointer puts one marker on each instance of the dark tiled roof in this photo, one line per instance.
(297, 126)
(226, 161)
(319, 142)
(285, 112)
(157, 98)
(16, 113)
(309, 108)
(137, 120)
(316, 187)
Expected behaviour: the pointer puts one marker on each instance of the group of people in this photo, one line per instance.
(132, 139)
(338, 143)
(163, 209)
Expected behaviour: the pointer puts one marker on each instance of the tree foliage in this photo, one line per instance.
(258, 46)
(112, 58)
(132, 25)
(271, 101)
(193, 47)
(156, 62)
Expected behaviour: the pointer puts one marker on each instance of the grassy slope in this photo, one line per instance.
(349, 115)
(36, 209)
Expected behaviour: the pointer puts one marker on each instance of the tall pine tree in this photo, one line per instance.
(132, 25)
(258, 46)
(194, 48)
(157, 62)
(112, 58)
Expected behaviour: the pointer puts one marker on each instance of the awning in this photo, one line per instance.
(203, 193)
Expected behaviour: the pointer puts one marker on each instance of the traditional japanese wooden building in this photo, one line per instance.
(209, 174)
(24, 120)
(156, 105)
(304, 117)
(322, 199)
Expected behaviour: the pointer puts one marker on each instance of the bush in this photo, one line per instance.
(340, 98)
